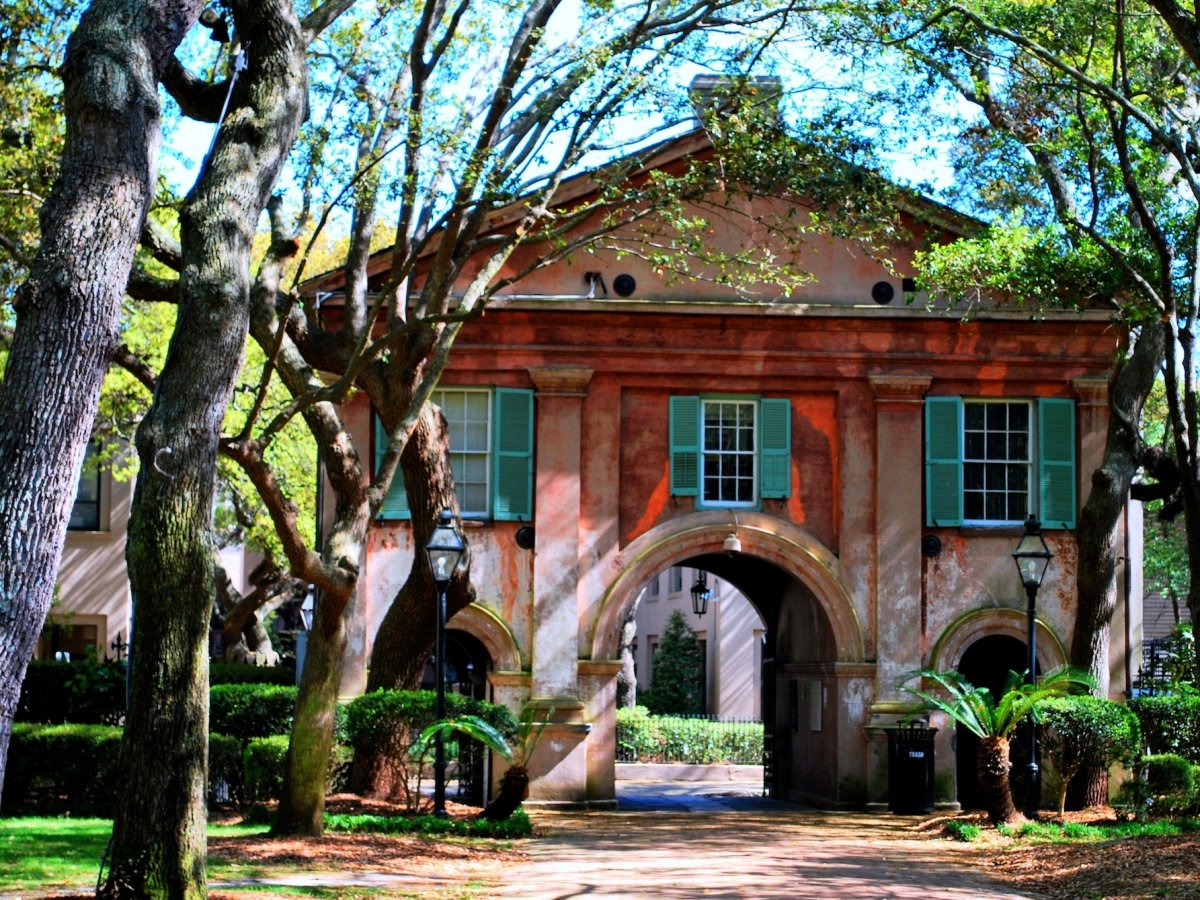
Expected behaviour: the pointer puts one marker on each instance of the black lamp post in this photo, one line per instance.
(1032, 557)
(700, 593)
(445, 551)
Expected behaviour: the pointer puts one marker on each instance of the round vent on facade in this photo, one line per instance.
(882, 292)
(524, 537)
(624, 285)
(931, 545)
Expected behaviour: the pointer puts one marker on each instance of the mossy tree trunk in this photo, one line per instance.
(159, 835)
(67, 312)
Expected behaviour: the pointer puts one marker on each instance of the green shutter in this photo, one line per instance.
(395, 504)
(512, 484)
(685, 446)
(1056, 462)
(943, 461)
(775, 448)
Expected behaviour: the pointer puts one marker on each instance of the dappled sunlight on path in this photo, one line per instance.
(769, 850)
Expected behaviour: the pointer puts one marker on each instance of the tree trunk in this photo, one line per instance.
(627, 677)
(302, 807)
(514, 788)
(1095, 569)
(67, 311)
(407, 632)
(994, 766)
(159, 840)
(1098, 522)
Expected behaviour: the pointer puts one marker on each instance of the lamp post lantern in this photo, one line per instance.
(700, 593)
(1032, 557)
(445, 551)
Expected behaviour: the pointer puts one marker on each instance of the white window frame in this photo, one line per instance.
(437, 397)
(1030, 462)
(705, 501)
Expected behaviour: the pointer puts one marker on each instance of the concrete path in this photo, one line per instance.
(725, 840)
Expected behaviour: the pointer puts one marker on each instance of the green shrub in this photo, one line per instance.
(1163, 784)
(1170, 723)
(677, 739)
(73, 768)
(243, 673)
(263, 767)
(1085, 731)
(225, 781)
(383, 726)
(86, 691)
(250, 710)
(515, 826)
(66, 767)
(961, 831)
(393, 720)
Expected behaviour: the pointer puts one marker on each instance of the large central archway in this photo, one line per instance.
(813, 677)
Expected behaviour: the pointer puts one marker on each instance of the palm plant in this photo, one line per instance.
(994, 722)
(514, 784)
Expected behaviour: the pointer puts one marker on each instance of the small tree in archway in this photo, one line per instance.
(676, 671)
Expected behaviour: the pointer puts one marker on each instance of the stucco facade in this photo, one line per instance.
(831, 548)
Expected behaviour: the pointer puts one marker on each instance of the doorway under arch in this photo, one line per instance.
(814, 680)
(985, 663)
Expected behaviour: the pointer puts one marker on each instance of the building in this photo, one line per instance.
(91, 608)
(857, 466)
(730, 634)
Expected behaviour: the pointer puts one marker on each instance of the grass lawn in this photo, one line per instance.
(38, 854)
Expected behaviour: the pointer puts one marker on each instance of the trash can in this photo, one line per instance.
(910, 769)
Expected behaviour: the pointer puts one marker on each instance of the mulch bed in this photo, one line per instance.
(1119, 869)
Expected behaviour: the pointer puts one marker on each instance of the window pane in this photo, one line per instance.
(973, 445)
(996, 460)
(729, 459)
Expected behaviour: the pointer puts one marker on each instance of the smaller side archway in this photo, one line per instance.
(959, 635)
(485, 625)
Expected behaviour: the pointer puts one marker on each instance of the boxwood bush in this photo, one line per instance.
(642, 737)
(73, 768)
(244, 673)
(1170, 723)
(263, 766)
(87, 691)
(251, 710)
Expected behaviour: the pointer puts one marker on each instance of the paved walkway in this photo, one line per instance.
(713, 839)
(725, 840)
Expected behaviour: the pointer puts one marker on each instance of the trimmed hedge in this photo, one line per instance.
(263, 766)
(70, 766)
(244, 673)
(73, 768)
(383, 720)
(89, 691)
(225, 781)
(642, 737)
(1170, 723)
(250, 710)
(515, 826)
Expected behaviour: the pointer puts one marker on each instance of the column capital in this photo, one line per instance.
(561, 381)
(1091, 390)
(900, 388)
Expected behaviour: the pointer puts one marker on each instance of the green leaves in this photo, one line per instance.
(984, 716)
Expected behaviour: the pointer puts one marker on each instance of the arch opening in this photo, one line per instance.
(810, 632)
